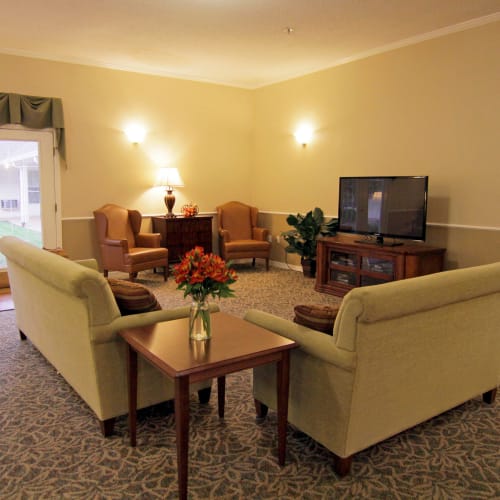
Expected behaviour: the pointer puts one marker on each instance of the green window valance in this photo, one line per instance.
(34, 112)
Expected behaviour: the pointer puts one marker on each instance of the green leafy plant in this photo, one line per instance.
(307, 228)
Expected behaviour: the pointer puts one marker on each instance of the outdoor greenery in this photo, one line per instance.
(29, 235)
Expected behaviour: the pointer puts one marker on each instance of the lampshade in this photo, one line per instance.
(169, 178)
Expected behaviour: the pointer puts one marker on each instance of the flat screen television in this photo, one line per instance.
(394, 207)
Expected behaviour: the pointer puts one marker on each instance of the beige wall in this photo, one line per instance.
(205, 130)
(428, 109)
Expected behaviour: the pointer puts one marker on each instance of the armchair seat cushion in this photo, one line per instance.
(317, 317)
(132, 298)
(139, 255)
(248, 246)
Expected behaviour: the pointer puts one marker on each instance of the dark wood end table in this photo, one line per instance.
(181, 234)
(235, 345)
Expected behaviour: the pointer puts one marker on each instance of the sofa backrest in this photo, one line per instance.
(422, 346)
(33, 271)
(369, 305)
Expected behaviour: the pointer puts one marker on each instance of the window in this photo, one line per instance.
(29, 187)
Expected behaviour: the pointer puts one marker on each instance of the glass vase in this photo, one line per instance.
(199, 320)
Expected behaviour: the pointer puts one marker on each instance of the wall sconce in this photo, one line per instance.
(169, 178)
(303, 134)
(135, 133)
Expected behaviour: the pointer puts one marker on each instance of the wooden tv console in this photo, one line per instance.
(344, 263)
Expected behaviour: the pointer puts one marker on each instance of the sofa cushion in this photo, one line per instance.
(317, 317)
(132, 298)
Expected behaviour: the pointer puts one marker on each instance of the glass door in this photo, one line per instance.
(29, 188)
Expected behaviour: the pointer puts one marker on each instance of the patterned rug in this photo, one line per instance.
(275, 291)
(51, 447)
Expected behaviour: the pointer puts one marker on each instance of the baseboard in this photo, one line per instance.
(275, 263)
(284, 265)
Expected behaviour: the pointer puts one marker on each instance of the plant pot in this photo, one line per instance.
(308, 267)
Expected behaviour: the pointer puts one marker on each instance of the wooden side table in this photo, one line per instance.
(235, 345)
(181, 234)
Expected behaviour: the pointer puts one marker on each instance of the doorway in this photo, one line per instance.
(29, 188)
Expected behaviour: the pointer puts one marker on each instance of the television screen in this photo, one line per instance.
(383, 206)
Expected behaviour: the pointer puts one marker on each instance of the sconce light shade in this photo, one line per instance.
(303, 134)
(169, 178)
(135, 133)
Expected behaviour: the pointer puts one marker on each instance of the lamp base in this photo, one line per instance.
(169, 202)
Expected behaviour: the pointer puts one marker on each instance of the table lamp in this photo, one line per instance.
(169, 178)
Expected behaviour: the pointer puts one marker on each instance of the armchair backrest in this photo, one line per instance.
(238, 219)
(117, 223)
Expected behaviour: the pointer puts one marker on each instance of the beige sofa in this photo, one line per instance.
(67, 310)
(400, 354)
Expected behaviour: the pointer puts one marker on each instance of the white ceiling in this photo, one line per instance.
(241, 43)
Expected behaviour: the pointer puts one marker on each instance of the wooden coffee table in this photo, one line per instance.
(235, 345)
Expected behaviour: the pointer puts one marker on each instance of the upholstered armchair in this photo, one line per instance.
(123, 247)
(239, 236)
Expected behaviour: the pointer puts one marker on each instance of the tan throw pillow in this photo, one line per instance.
(317, 317)
(132, 298)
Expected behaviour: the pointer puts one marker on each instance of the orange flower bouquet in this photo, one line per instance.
(201, 275)
(190, 210)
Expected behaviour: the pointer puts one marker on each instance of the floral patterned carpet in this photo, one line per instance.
(51, 447)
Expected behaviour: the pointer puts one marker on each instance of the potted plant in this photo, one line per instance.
(302, 239)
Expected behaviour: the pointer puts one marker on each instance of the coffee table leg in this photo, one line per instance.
(283, 374)
(182, 432)
(221, 394)
(132, 394)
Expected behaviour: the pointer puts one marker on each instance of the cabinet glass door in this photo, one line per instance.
(344, 277)
(378, 265)
(345, 259)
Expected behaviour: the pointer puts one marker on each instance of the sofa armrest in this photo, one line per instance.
(314, 343)
(109, 332)
(90, 263)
